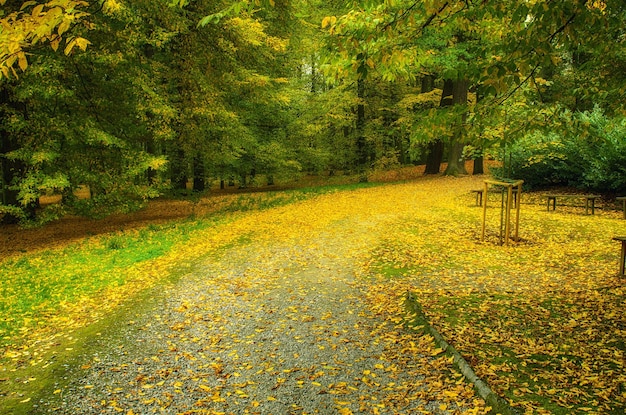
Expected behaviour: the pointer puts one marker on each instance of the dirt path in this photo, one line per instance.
(276, 327)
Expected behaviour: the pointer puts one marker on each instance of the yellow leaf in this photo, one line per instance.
(436, 351)
(65, 24)
(70, 45)
(22, 61)
(37, 10)
(82, 43)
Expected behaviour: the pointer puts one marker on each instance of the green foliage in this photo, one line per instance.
(591, 156)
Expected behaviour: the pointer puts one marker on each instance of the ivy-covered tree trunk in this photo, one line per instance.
(361, 145)
(435, 149)
(456, 165)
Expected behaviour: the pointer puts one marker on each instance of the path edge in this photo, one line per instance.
(419, 322)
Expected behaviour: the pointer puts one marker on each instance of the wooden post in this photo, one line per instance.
(507, 226)
(485, 198)
(507, 214)
(622, 258)
(519, 202)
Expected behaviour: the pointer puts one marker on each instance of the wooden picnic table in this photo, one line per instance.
(590, 200)
(479, 195)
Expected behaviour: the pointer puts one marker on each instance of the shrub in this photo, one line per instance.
(591, 156)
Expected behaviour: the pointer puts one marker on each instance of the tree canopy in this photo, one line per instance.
(131, 99)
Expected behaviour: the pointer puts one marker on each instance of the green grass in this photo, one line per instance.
(38, 283)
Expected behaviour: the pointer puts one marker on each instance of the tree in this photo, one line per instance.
(75, 130)
(496, 45)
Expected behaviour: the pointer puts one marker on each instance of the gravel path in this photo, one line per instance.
(271, 328)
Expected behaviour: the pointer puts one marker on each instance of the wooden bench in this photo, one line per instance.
(622, 258)
(623, 200)
(479, 195)
(589, 200)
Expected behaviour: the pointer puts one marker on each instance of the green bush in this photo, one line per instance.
(590, 156)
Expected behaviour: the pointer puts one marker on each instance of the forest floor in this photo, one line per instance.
(299, 309)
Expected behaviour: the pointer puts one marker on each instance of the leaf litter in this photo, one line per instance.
(278, 326)
(308, 316)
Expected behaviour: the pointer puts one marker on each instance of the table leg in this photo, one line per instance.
(622, 260)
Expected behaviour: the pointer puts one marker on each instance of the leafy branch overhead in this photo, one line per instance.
(36, 24)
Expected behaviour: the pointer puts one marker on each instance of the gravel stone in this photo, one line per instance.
(269, 328)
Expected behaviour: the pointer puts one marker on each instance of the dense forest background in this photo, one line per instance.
(132, 99)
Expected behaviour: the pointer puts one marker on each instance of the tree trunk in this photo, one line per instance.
(199, 184)
(456, 165)
(434, 158)
(361, 145)
(435, 149)
(178, 170)
(479, 165)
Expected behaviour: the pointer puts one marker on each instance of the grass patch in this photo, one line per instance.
(36, 285)
(551, 352)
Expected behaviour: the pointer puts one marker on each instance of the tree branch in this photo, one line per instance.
(562, 28)
(510, 94)
(432, 17)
